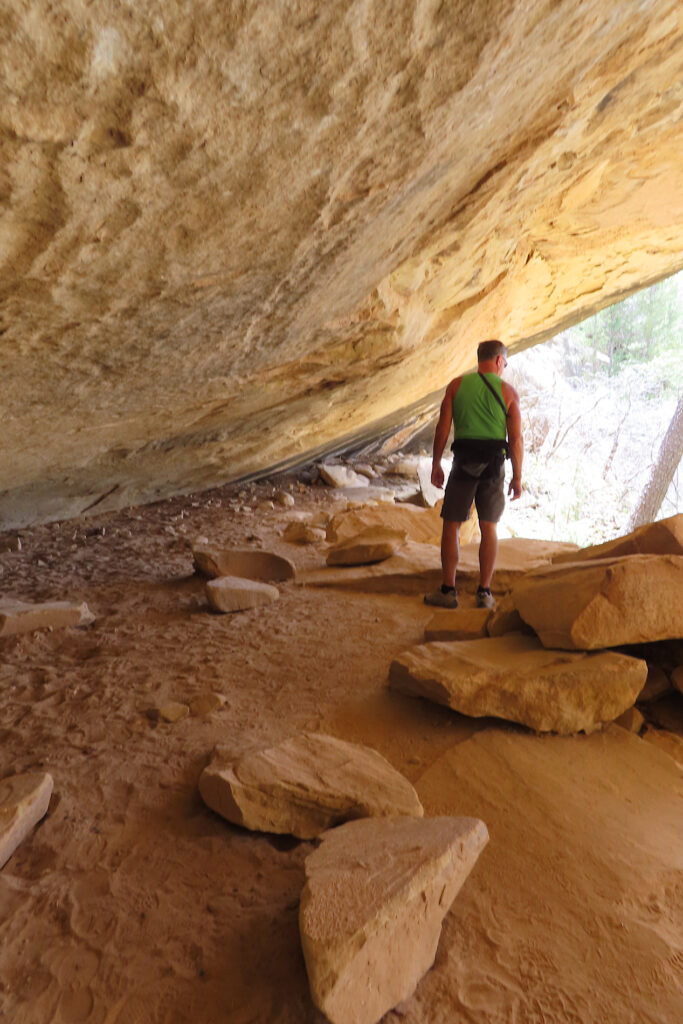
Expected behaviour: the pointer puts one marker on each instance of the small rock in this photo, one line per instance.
(22, 617)
(24, 800)
(285, 499)
(170, 712)
(236, 594)
(341, 476)
(304, 533)
(370, 916)
(305, 785)
(206, 703)
(266, 505)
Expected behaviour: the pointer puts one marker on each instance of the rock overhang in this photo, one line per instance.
(234, 237)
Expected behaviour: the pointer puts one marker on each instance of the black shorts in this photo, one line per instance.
(463, 488)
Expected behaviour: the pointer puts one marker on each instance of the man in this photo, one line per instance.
(487, 422)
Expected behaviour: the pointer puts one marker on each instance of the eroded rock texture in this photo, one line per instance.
(236, 235)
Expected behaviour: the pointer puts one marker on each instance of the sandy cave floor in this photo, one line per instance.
(132, 903)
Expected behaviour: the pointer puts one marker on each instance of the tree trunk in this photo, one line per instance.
(662, 473)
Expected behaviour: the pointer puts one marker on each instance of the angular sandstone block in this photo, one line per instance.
(374, 544)
(24, 801)
(506, 619)
(421, 525)
(23, 617)
(516, 678)
(342, 476)
(371, 911)
(304, 533)
(213, 561)
(460, 624)
(234, 594)
(661, 538)
(305, 785)
(607, 603)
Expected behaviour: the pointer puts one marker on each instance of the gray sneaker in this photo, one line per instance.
(441, 600)
(485, 598)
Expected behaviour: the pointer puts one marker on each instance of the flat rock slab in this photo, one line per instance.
(421, 525)
(516, 678)
(235, 594)
(458, 624)
(213, 561)
(373, 544)
(664, 537)
(342, 476)
(305, 785)
(371, 911)
(607, 603)
(579, 880)
(24, 617)
(24, 801)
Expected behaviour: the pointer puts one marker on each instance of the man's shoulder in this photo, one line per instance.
(454, 385)
(510, 394)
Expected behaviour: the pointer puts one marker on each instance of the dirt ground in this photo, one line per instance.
(132, 903)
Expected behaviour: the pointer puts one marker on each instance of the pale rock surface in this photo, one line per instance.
(305, 785)
(285, 499)
(24, 800)
(206, 703)
(665, 537)
(406, 467)
(374, 544)
(459, 624)
(212, 561)
(604, 603)
(369, 495)
(371, 911)
(237, 594)
(415, 568)
(172, 711)
(304, 533)
(516, 678)
(668, 742)
(24, 617)
(421, 525)
(342, 476)
(236, 236)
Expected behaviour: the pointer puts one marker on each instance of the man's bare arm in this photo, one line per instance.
(443, 429)
(515, 439)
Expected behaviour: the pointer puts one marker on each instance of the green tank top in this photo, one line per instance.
(476, 413)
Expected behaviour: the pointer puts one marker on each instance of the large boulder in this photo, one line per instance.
(371, 911)
(420, 525)
(305, 785)
(604, 603)
(516, 678)
(664, 537)
(212, 561)
(374, 544)
(24, 800)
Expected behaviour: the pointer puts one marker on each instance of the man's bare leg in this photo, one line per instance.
(450, 551)
(488, 549)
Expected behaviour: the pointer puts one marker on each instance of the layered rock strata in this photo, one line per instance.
(237, 236)
(516, 678)
(370, 916)
(305, 785)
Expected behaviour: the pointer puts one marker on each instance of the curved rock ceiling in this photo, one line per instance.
(234, 235)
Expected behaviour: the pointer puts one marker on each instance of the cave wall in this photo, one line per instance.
(233, 235)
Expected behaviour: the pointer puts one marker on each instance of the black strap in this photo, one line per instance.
(495, 394)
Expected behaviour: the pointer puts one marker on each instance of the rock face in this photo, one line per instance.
(664, 537)
(461, 624)
(23, 617)
(374, 544)
(514, 677)
(604, 603)
(305, 785)
(370, 916)
(236, 236)
(234, 594)
(24, 801)
(213, 561)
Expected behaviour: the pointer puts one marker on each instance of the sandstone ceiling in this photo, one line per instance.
(236, 234)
